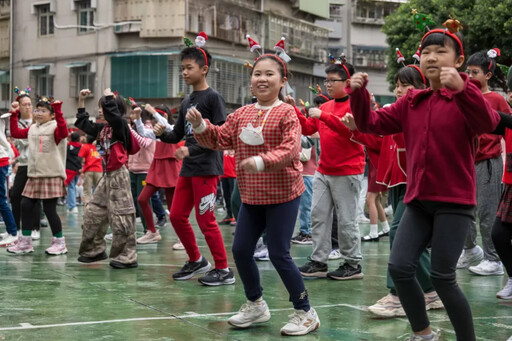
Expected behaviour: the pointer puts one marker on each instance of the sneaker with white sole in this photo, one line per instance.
(178, 246)
(73, 210)
(435, 337)
(250, 313)
(388, 306)
(301, 323)
(433, 301)
(108, 236)
(487, 268)
(217, 277)
(35, 235)
(4, 235)
(24, 245)
(58, 247)
(149, 238)
(362, 220)
(335, 254)
(469, 257)
(191, 268)
(261, 254)
(10, 240)
(506, 292)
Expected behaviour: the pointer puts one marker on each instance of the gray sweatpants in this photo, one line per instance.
(340, 193)
(488, 193)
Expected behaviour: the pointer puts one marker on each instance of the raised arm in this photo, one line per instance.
(384, 122)
(61, 132)
(16, 132)
(480, 116)
(213, 136)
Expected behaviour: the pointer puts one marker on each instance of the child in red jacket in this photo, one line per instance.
(439, 124)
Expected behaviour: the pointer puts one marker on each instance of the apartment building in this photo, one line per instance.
(356, 31)
(61, 46)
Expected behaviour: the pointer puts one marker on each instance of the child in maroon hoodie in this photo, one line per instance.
(440, 125)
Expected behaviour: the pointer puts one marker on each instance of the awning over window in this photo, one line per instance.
(76, 64)
(36, 67)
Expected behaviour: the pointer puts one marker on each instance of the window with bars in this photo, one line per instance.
(372, 58)
(81, 78)
(45, 20)
(230, 79)
(85, 16)
(43, 81)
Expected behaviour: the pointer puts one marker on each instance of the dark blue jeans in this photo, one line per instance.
(279, 222)
(5, 209)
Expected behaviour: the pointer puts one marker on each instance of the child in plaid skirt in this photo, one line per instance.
(46, 172)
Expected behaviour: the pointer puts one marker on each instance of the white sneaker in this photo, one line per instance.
(73, 210)
(178, 246)
(150, 238)
(261, 254)
(389, 210)
(35, 235)
(249, 313)
(363, 220)
(4, 235)
(487, 268)
(506, 292)
(301, 323)
(436, 335)
(335, 254)
(469, 257)
(10, 240)
(108, 236)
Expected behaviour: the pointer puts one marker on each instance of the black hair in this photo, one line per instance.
(74, 137)
(120, 103)
(145, 116)
(196, 55)
(321, 99)
(442, 39)
(46, 105)
(409, 75)
(340, 70)
(280, 64)
(21, 96)
(488, 64)
(482, 60)
(90, 138)
(166, 109)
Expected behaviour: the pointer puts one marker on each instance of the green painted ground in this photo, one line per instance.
(57, 298)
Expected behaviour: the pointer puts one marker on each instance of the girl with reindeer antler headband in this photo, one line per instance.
(439, 124)
(266, 139)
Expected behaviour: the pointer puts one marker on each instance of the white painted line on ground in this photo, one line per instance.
(188, 315)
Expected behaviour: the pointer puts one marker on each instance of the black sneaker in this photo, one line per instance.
(302, 239)
(161, 221)
(217, 277)
(97, 258)
(191, 268)
(118, 265)
(313, 269)
(345, 272)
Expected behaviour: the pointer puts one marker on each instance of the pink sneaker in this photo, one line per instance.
(58, 247)
(24, 246)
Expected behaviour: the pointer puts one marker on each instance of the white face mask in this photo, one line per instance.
(252, 136)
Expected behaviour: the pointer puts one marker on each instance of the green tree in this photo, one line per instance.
(487, 24)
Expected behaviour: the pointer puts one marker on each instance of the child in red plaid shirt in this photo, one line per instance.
(46, 172)
(266, 139)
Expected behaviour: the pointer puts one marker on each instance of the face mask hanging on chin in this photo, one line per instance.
(252, 136)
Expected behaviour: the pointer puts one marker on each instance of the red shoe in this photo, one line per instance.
(226, 221)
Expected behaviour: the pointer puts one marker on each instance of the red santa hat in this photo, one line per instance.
(417, 55)
(280, 46)
(399, 57)
(493, 53)
(253, 45)
(201, 39)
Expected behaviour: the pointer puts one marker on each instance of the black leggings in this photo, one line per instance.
(444, 226)
(502, 237)
(20, 181)
(30, 218)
